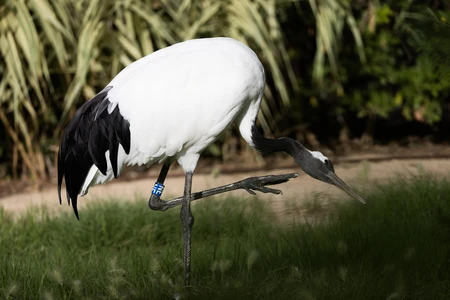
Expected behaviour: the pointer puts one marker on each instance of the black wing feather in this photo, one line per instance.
(113, 150)
(91, 132)
(123, 134)
(96, 145)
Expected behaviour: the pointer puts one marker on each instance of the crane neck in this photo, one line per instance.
(284, 144)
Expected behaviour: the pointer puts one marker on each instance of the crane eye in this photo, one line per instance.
(329, 165)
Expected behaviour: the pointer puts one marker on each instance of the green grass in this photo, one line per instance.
(395, 247)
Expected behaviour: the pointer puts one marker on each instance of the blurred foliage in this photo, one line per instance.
(396, 74)
(337, 57)
(405, 67)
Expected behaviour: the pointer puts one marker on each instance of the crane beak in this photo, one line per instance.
(334, 179)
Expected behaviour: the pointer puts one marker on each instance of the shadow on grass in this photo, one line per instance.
(395, 247)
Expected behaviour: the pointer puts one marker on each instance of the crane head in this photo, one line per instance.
(318, 166)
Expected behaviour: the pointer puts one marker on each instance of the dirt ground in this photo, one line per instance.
(359, 173)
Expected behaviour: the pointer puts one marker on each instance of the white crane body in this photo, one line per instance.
(170, 112)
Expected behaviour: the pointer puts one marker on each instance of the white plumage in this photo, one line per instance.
(176, 115)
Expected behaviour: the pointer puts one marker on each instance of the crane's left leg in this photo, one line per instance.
(251, 184)
(187, 219)
(155, 202)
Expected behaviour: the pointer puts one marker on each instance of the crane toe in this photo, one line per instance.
(262, 189)
(259, 184)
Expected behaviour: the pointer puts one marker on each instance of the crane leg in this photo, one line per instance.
(187, 220)
(251, 185)
(155, 202)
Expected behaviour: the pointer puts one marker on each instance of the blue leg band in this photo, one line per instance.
(158, 189)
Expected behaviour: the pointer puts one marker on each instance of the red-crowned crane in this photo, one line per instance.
(169, 106)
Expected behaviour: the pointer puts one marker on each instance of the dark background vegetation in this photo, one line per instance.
(344, 72)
